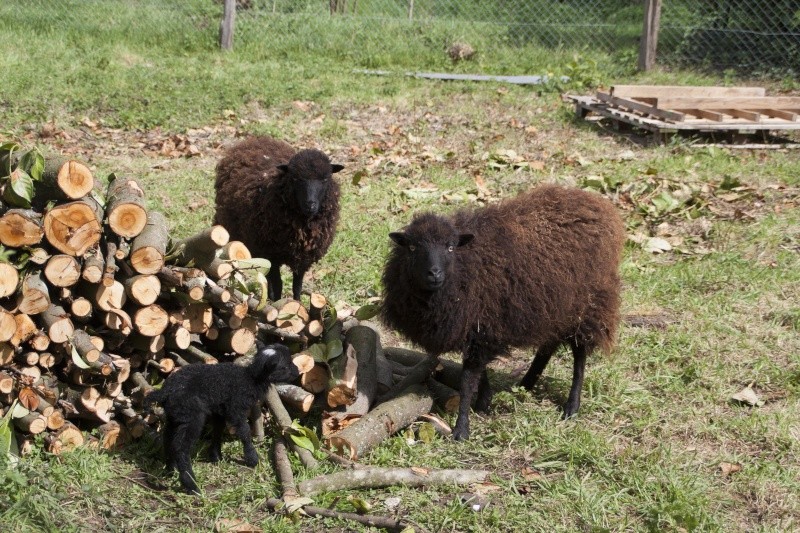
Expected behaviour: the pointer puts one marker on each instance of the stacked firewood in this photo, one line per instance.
(98, 305)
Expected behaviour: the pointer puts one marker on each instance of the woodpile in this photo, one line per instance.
(98, 305)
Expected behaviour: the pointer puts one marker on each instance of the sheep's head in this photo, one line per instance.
(273, 363)
(428, 246)
(310, 172)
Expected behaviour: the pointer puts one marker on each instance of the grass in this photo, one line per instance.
(657, 425)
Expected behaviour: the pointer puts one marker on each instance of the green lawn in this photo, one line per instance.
(653, 444)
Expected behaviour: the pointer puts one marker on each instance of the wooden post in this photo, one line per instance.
(649, 42)
(411, 10)
(226, 27)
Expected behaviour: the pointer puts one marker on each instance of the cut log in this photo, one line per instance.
(383, 373)
(39, 341)
(111, 297)
(38, 255)
(419, 373)
(64, 439)
(93, 266)
(110, 267)
(316, 379)
(71, 179)
(58, 324)
(234, 250)
(33, 423)
(147, 344)
(74, 227)
(193, 354)
(200, 317)
(444, 397)
(55, 420)
(118, 320)
(235, 340)
(26, 328)
(6, 383)
(8, 326)
(367, 345)
(295, 397)
(151, 320)
(9, 279)
(204, 243)
(302, 360)
(110, 435)
(177, 337)
(376, 477)
(447, 372)
(48, 360)
(34, 296)
(21, 227)
(27, 358)
(125, 208)
(149, 247)
(314, 328)
(380, 423)
(165, 365)
(82, 342)
(342, 383)
(144, 289)
(7, 352)
(62, 270)
(81, 309)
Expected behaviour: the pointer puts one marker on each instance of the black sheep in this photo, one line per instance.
(537, 270)
(283, 204)
(221, 393)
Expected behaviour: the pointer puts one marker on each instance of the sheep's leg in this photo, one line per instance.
(167, 437)
(186, 435)
(243, 432)
(297, 283)
(274, 282)
(484, 400)
(579, 352)
(543, 355)
(470, 379)
(217, 430)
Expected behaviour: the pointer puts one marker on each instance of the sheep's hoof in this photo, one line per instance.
(569, 410)
(460, 434)
(251, 461)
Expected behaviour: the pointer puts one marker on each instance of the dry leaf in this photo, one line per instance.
(748, 396)
(729, 468)
(529, 474)
(225, 525)
(419, 471)
(656, 245)
(28, 398)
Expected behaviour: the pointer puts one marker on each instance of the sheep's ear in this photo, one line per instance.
(283, 168)
(400, 238)
(465, 238)
(336, 168)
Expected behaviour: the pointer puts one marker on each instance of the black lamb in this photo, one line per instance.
(283, 204)
(221, 393)
(538, 270)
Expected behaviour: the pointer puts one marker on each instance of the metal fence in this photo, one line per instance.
(752, 36)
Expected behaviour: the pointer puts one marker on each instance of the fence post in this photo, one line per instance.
(649, 42)
(226, 27)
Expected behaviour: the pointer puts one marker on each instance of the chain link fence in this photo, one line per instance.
(757, 37)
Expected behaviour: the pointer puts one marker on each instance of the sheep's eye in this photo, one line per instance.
(451, 248)
(411, 247)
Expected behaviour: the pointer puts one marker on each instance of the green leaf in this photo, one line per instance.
(665, 203)
(257, 263)
(8, 440)
(6, 149)
(356, 179)
(303, 436)
(365, 312)
(19, 190)
(361, 506)
(334, 349)
(318, 351)
(78, 360)
(261, 279)
(33, 163)
(426, 432)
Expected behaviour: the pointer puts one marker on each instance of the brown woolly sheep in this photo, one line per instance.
(283, 204)
(537, 270)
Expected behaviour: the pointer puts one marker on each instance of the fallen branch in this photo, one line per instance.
(376, 477)
(382, 522)
(283, 469)
(281, 415)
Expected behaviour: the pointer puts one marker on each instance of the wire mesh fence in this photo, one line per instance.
(754, 37)
(751, 36)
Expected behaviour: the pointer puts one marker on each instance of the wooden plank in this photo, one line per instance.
(742, 113)
(780, 113)
(641, 107)
(703, 113)
(649, 41)
(736, 102)
(656, 91)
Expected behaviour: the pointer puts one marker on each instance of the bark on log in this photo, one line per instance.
(32, 423)
(235, 250)
(149, 247)
(419, 373)
(295, 397)
(447, 372)
(8, 326)
(443, 396)
(26, 328)
(383, 373)
(72, 179)
(284, 421)
(110, 268)
(376, 477)
(93, 266)
(193, 354)
(283, 469)
(74, 227)
(65, 439)
(34, 295)
(204, 243)
(316, 379)
(342, 382)
(235, 340)
(9, 279)
(62, 270)
(58, 324)
(383, 421)
(371, 521)
(125, 208)
(21, 227)
(367, 345)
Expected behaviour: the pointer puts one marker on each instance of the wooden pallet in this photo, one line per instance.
(673, 109)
